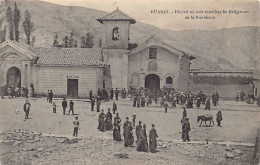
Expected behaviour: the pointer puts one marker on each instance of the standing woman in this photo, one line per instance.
(152, 139)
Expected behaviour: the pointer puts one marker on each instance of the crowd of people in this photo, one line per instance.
(140, 97)
(17, 91)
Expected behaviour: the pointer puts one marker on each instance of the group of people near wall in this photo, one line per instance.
(16, 91)
(250, 99)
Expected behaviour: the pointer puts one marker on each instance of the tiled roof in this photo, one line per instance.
(69, 56)
(116, 15)
(61, 56)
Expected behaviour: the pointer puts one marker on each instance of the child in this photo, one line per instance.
(54, 107)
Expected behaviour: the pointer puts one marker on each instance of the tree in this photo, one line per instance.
(71, 40)
(66, 42)
(55, 41)
(87, 41)
(9, 17)
(2, 31)
(75, 44)
(17, 17)
(83, 41)
(33, 41)
(27, 25)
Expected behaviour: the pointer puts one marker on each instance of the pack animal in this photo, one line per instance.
(205, 118)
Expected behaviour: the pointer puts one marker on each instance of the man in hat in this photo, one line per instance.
(76, 126)
(71, 107)
(90, 94)
(152, 139)
(64, 105)
(114, 107)
(26, 108)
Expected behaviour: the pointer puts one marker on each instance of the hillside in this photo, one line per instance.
(234, 48)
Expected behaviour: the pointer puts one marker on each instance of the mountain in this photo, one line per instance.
(225, 49)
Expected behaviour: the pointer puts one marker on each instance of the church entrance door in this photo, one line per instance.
(13, 77)
(152, 82)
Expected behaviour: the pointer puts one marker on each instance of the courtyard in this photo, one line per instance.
(239, 126)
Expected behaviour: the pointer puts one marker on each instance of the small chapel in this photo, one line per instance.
(73, 72)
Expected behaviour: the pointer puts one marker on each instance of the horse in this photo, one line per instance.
(205, 118)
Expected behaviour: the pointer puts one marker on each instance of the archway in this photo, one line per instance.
(13, 77)
(152, 82)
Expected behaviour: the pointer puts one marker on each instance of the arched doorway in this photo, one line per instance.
(152, 82)
(13, 77)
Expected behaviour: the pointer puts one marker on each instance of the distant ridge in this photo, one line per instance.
(224, 49)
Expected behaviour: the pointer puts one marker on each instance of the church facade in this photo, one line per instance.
(73, 72)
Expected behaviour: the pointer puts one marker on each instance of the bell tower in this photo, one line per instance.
(115, 39)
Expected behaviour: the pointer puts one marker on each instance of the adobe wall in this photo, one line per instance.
(225, 91)
(55, 78)
(167, 65)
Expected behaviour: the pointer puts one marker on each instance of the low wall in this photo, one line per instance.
(225, 91)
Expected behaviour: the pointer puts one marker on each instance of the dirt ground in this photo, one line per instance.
(240, 123)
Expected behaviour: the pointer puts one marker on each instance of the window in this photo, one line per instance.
(169, 80)
(152, 53)
(115, 35)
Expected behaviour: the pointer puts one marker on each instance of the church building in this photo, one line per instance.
(72, 72)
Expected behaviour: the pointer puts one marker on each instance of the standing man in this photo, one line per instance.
(54, 107)
(111, 94)
(76, 126)
(184, 114)
(90, 94)
(133, 120)
(152, 139)
(114, 107)
(64, 105)
(98, 105)
(51, 96)
(26, 108)
(92, 103)
(217, 98)
(219, 118)
(165, 106)
(116, 92)
(71, 107)
(186, 129)
(48, 96)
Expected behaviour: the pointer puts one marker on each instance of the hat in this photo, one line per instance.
(153, 125)
(76, 117)
(127, 117)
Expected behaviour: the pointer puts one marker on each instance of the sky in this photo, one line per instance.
(141, 10)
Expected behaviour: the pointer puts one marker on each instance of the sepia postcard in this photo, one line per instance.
(138, 82)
